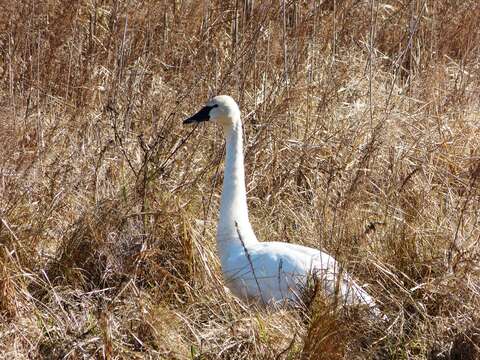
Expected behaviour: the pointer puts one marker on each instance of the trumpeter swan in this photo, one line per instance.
(264, 272)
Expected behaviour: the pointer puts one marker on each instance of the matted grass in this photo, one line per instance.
(362, 138)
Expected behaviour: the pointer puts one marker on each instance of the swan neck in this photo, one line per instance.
(234, 227)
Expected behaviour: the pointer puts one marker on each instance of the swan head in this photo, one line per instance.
(221, 109)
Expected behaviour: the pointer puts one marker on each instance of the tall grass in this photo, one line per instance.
(362, 138)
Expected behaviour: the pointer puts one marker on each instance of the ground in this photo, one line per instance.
(362, 138)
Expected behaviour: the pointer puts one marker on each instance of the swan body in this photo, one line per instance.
(264, 272)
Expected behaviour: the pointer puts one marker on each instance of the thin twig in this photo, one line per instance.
(370, 62)
(250, 262)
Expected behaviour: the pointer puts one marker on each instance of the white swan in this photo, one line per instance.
(264, 272)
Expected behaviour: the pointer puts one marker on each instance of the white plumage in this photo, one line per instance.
(264, 272)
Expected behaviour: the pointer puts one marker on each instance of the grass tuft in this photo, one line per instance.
(361, 138)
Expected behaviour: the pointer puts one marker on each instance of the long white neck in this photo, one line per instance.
(234, 226)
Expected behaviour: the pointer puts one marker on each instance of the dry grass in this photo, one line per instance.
(362, 138)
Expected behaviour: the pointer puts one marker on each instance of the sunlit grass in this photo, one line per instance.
(362, 138)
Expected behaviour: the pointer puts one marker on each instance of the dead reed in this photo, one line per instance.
(362, 138)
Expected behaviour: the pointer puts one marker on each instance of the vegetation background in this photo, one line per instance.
(362, 138)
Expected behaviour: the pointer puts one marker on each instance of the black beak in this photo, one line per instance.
(202, 115)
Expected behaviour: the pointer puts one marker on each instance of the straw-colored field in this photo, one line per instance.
(362, 138)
